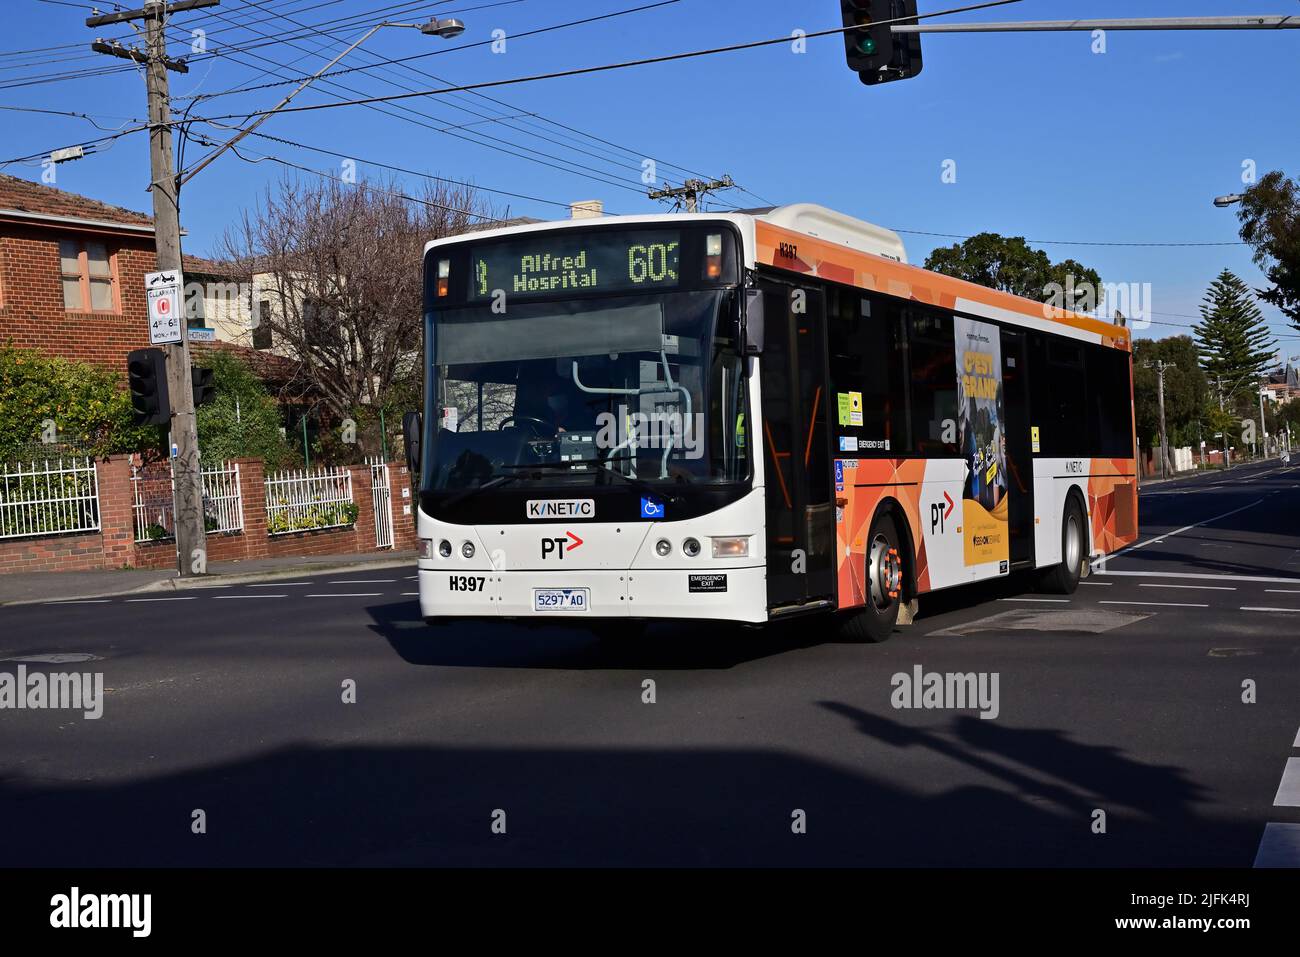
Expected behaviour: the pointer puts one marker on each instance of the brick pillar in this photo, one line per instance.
(116, 512)
(363, 497)
(404, 531)
(252, 490)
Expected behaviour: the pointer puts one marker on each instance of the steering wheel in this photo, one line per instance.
(541, 427)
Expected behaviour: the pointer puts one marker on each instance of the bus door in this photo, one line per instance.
(1020, 465)
(799, 498)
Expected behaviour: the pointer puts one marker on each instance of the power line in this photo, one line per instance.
(1067, 242)
(602, 68)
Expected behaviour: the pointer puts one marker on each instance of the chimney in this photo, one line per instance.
(586, 209)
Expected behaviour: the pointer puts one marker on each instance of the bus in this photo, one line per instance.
(748, 416)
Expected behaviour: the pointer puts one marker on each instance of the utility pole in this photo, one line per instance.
(689, 193)
(191, 539)
(1160, 366)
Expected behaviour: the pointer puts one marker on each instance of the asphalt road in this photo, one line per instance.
(1126, 698)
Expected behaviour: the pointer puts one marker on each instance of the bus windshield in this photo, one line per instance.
(565, 392)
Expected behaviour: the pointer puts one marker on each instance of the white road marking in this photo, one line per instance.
(1264, 608)
(1106, 584)
(1288, 792)
(1179, 531)
(1154, 604)
(1193, 576)
(263, 595)
(1282, 591)
(365, 581)
(1194, 587)
(1279, 847)
(1035, 599)
(410, 593)
(78, 601)
(1297, 740)
(279, 584)
(347, 594)
(178, 598)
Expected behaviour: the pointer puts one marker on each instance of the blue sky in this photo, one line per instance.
(1051, 141)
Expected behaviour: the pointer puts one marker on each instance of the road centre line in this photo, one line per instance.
(1282, 591)
(1179, 531)
(1279, 847)
(365, 581)
(1195, 587)
(1201, 577)
(279, 584)
(1036, 599)
(78, 601)
(347, 594)
(263, 595)
(1294, 611)
(1288, 791)
(1155, 604)
(177, 598)
(1106, 584)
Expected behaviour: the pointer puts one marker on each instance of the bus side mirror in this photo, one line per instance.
(753, 322)
(411, 432)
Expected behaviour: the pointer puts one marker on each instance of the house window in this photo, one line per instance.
(87, 272)
(262, 331)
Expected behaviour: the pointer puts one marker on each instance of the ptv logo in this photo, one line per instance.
(939, 515)
(558, 546)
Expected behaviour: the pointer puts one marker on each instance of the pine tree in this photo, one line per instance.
(1233, 342)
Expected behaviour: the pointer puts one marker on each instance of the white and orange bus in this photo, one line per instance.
(749, 416)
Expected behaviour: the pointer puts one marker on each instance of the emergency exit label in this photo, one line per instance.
(162, 292)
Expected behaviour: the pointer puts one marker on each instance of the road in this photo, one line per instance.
(1126, 698)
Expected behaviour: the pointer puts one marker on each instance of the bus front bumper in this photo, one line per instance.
(734, 594)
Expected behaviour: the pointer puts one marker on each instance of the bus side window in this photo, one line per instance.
(933, 376)
(866, 356)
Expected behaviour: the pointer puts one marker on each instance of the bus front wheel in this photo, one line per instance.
(1063, 579)
(875, 621)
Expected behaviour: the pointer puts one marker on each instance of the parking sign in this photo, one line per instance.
(163, 292)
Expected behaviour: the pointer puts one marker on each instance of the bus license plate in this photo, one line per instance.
(561, 599)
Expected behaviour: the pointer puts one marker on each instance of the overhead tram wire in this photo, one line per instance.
(618, 162)
(1070, 242)
(568, 166)
(590, 70)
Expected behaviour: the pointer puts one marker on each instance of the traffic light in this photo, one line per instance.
(874, 52)
(204, 389)
(146, 372)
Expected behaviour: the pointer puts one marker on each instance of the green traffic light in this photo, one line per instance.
(867, 46)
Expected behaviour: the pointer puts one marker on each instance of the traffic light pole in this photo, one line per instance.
(191, 539)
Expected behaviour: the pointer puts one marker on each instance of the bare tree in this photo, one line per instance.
(341, 267)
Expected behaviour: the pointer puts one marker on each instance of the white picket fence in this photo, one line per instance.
(302, 500)
(48, 498)
(153, 491)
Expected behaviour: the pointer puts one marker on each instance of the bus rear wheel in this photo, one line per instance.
(875, 621)
(1063, 579)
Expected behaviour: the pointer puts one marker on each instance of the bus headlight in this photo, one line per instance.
(663, 548)
(467, 549)
(691, 547)
(444, 548)
(734, 546)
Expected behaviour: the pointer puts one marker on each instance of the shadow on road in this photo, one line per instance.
(360, 805)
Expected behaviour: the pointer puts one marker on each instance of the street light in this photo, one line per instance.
(445, 28)
(1230, 199)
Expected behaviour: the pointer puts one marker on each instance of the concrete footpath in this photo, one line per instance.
(27, 587)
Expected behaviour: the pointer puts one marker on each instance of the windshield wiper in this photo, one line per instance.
(496, 482)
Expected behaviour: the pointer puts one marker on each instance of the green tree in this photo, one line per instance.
(1186, 391)
(242, 420)
(1010, 264)
(1270, 223)
(51, 405)
(1233, 342)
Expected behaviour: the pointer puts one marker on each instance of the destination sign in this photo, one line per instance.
(552, 264)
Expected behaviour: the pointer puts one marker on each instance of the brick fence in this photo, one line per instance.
(114, 545)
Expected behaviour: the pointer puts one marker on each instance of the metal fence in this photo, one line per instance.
(48, 498)
(381, 496)
(153, 491)
(303, 500)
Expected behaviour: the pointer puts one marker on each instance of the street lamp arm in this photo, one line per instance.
(186, 175)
